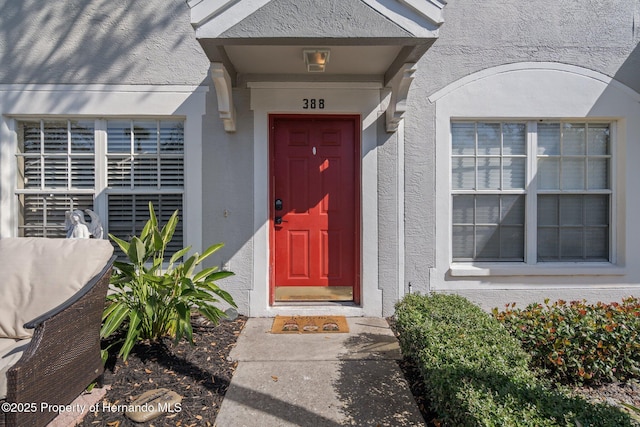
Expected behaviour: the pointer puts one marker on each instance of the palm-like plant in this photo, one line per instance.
(153, 300)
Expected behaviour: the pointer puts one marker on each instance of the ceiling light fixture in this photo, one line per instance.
(316, 59)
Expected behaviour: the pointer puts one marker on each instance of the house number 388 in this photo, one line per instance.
(313, 104)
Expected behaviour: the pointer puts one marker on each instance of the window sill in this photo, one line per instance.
(546, 269)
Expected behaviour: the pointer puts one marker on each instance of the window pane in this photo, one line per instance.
(463, 137)
(487, 209)
(463, 207)
(573, 139)
(512, 210)
(548, 210)
(55, 137)
(549, 139)
(82, 172)
(571, 210)
(489, 138)
(128, 213)
(171, 172)
(573, 174)
(598, 139)
(598, 174)
(43, 215)
(31, 138)
(513, 174)
(548, 174)
(462, 242)
(571, 243)
(119, 136)
(597, 242)
(487, 242)
(491, 238)
(576, 241)
(145, 137)
(171, 137)
(514, 137)
(512, 242)
(597, 209)
(145, 172)
(32, 172)
(55, 172)
(548, 244)
(119, 171)
(463, 175)
(82, 137)
(488, 173)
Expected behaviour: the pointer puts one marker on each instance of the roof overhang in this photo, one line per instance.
(368, 40)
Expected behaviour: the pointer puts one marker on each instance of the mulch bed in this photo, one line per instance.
(200, 374)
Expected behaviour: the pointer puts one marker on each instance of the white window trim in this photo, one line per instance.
(184, 102)
(101, 158)
(531, 266)
(552, 91)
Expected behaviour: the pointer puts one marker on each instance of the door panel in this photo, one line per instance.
(314, 172)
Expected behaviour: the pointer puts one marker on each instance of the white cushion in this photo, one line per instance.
(9, 356)
(38, 274)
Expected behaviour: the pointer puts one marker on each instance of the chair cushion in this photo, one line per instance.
(9, 356)
(38, 274)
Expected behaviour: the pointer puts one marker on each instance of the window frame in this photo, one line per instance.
(531, 265)
(101, 189)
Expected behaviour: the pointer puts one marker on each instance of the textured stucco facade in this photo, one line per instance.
(501, 60)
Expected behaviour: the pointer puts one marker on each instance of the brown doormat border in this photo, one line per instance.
(309, 325)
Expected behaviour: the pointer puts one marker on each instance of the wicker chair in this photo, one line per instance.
(62, 356)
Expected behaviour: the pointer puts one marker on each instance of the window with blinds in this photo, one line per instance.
(56, 167)
(59, 170)
(573, 191)
(488, 180)
(567, 194)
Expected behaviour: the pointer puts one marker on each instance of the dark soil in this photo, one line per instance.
(200, 374)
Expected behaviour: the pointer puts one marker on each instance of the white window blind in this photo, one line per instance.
(145, 162)
(59, 170)
(573, 191)
(56, 167)
(488, 180)
(128, 213)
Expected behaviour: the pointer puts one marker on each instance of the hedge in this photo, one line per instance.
(477, 374)
(577, 342)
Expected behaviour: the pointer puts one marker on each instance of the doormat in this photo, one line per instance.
(309, 325)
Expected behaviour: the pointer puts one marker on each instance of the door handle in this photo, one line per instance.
(278, 220)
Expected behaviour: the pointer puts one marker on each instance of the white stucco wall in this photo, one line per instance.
(99, 41)
(113, 58)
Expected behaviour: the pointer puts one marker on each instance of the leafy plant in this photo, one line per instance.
(577, 342)
(476, 374)
(151, 300)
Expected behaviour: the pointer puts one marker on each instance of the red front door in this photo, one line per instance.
(315, 183)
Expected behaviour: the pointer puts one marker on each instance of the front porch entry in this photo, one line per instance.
(315, 216)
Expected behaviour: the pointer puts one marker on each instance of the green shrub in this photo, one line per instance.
(576, 342)
(476, 373)
(152, 300)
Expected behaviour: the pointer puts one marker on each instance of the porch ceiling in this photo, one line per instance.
(368, 39)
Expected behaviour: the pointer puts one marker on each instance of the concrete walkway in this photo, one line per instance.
(318, 379)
